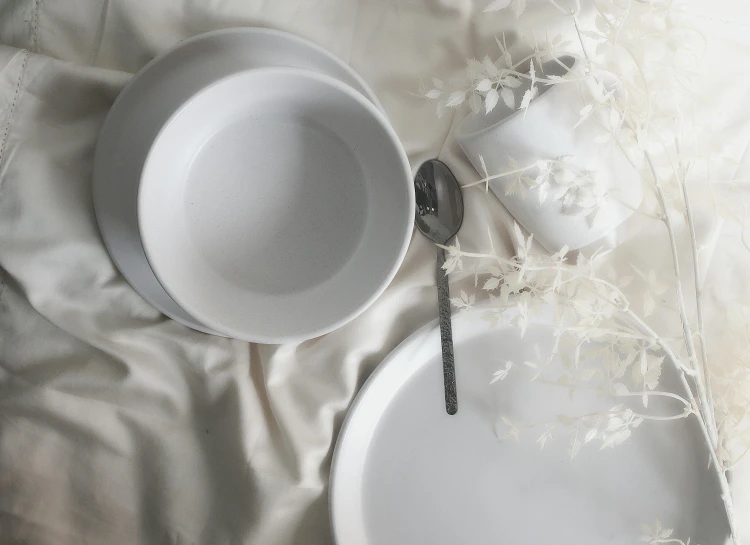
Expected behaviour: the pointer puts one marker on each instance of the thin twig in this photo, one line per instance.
(685, 414)
(657, 393)
(726, 494)
(689, 342)
(698, 294)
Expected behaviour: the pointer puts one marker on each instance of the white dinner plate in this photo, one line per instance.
(291, 205)
(406, 473)
(143, 107)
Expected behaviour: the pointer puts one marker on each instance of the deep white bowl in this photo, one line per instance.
(276, 205)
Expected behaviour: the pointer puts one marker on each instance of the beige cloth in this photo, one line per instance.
(119, 426)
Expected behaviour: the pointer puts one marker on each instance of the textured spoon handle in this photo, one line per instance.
(446, 336)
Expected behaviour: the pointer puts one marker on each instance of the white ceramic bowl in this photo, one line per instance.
(276, 205)
(145, 105)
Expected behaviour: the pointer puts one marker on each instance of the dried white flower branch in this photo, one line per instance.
(578, 190)
(657, 534)
(486, 82)
(653, 55)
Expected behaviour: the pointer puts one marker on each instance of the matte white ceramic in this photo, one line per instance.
(547, 131)
(146, 103)
(405, 472)
(276, 205)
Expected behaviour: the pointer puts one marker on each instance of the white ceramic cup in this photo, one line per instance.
(546, 132)
(276, 205)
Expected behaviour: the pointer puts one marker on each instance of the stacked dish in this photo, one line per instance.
(248, 184)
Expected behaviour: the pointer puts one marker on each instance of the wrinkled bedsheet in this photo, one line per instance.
(119, 426)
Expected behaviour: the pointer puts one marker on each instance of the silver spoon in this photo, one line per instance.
(439, 214)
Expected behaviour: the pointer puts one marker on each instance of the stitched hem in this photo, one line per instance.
(12, 109)
(35, 26)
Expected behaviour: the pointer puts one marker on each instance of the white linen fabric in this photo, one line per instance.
(120, 426)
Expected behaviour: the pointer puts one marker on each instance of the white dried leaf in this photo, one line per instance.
(542, 440)
(620, 389)
(497, 5)
(484, 85)
(615, 439)
(649, 304)
(543, 191)
(512, 82)
(532, 72)
(593, 35)
(527, 97)
(601, 24)
(475, 103)
(614, 119)
(491, 284)
(575, 446)
(489, 67)
(474, 67)
(494, 271)
(508, 97)
(584, 114)
(653, 372)
(518, 7)
(456, 98)
(490, 100)
(500, 374)
(520, 239)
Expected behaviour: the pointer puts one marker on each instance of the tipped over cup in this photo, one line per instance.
(556, 165)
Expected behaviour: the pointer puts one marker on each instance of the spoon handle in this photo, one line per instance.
(446, 336)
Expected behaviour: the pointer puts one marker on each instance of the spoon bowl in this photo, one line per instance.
(439, 203)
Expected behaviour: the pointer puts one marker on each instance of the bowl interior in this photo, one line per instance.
(275, 205)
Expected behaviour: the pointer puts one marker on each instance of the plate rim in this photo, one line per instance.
(430, 328)
(422, 334)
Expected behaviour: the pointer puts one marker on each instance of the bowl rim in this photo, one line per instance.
(298, 336)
